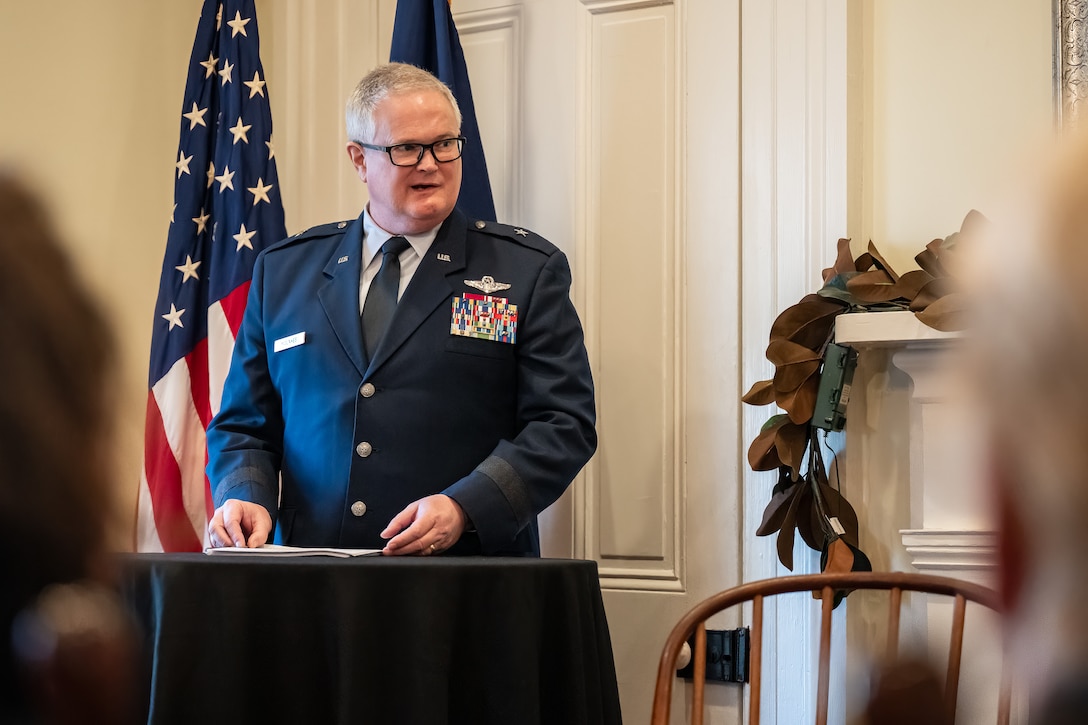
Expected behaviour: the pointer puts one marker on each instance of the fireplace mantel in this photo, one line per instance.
(948, 530)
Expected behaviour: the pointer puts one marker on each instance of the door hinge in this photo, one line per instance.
(727, 656)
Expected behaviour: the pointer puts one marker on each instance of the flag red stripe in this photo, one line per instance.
(164, 484)
(197, 362)
(234, 306)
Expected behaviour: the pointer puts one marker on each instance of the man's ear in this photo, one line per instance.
(1013, 544)
(358, 160)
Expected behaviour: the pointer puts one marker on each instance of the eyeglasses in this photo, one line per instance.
(410, 154)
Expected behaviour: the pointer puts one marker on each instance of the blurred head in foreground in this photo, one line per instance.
(58, 622)
(1029, 360)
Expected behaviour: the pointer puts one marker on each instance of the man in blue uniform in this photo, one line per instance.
(412, 380)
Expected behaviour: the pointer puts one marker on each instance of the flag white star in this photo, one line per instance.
(183, 163)
(243, 238)
(226, 179)
(172, 213)
(209, 65)
(174, 316)
(238, 25)
(211, 173)
(188, 270)
(219, 17)
(271, 149)
(196, 116)
(227, 68)
(260, 192)
(239, 131)
(201, 221)
(256, 86)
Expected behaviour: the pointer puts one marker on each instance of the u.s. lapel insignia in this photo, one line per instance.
(487, 285)
(443, 257)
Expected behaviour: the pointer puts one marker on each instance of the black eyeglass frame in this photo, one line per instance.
(423, 148)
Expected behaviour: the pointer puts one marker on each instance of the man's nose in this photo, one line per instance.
(428, 162)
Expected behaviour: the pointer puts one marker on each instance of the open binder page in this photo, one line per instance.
(278, 550)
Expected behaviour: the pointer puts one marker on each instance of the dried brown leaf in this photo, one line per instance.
(838, 507)
(809, 322)
(840, 558)
(788, 378)
(762, 393)
(791, 443)
(948, 314)
(932, 291)
(974, 225)
(874, 286)
(929, 261)
(808, 521)
(912, 281)
(863, 262)
(800, 404)
(844, 261)
(762, 455)
(879, 260)
(785, 352)
(776, 510)
(785, 533)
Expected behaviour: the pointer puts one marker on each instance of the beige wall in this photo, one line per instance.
(946, 97)
(89, 102)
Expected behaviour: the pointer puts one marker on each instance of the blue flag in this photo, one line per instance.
(227, 208)
(425, 36)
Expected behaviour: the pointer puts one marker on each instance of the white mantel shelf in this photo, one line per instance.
(886, 329)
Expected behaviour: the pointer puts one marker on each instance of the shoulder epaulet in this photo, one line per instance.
(321, 230)
(520, 235)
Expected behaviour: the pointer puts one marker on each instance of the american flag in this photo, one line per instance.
(425, 35)
(227, 207)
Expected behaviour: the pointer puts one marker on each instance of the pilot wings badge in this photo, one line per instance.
(487, 285)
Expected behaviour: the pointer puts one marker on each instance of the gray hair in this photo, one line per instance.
(377, 85)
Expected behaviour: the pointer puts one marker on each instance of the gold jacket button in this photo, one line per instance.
(364, 449)
(368, 390)
(480, 225)
(358, 508)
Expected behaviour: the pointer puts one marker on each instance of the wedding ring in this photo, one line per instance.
(433, 550)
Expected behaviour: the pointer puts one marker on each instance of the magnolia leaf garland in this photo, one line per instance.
(802, 501)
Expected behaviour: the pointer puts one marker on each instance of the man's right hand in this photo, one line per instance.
(239, 523)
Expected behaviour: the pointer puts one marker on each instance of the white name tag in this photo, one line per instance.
(285, 343)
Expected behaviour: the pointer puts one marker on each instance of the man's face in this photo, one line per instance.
(410, 199)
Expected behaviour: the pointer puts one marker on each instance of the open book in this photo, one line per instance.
(277, 550)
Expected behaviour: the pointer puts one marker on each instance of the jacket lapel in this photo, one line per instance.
(428, 289)
(340, 296)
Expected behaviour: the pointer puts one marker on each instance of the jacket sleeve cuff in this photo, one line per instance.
(495, 499)
(244, 484)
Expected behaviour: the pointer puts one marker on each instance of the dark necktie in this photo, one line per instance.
(381, 298)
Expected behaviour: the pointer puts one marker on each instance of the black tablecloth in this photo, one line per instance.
(374, 640)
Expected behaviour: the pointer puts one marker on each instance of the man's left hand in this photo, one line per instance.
(427, 526)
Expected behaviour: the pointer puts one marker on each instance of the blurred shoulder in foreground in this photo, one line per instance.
(67, 653)
(1028, 357)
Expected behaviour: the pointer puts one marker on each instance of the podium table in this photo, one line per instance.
(433, 640)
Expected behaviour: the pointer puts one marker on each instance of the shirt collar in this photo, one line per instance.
(374, 237)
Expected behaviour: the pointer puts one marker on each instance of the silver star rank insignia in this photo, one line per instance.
(487, 285)
(521, 232)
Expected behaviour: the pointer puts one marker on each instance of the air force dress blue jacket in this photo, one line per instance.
(478, 390)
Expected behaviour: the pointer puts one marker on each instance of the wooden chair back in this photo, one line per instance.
(824, 587)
